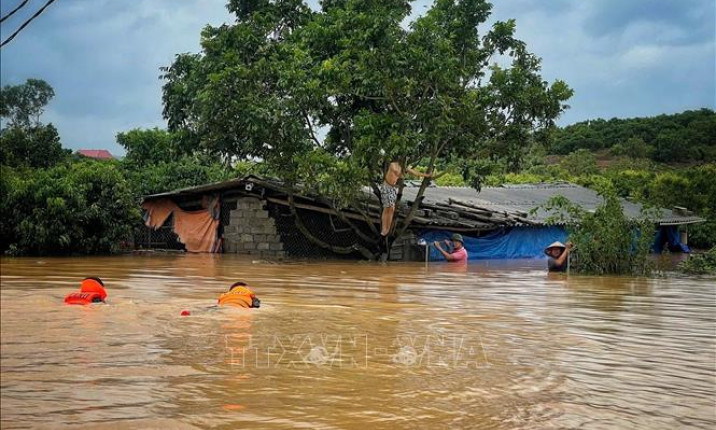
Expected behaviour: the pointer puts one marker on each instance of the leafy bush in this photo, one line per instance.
(84, 207)
(700, 264)
(605, 241)
(37, 146)
(580, 162)
(450, 180)
(166, 176)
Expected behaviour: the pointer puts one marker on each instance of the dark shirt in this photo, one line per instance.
(553, 267)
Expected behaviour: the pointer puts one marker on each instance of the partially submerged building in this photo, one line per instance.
(259, 216)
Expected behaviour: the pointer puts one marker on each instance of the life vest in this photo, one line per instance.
(83, 298)
(90, 285)
(240, 297)
(91, 291)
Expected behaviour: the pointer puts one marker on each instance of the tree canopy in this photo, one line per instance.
(326, 97)
(24, 140)
(22, 105)
(688, 136)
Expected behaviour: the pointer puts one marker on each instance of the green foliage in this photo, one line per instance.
(682, 137)
(151, 146)
(167, 176)
(450, 180)
(263, 87)
(605, 241)
(580, 162)
(158, 161)
(22, 105)
(52, 203)
(24, 141)
(37, 146)
(693, 188)
(700, 264)
(84, 207)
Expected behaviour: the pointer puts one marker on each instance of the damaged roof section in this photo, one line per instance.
(451, 208)
(518, 201)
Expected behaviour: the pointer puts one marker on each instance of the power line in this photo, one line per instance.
(26, 23)
(14, 10)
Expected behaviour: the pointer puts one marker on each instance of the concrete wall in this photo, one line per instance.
(251, 230)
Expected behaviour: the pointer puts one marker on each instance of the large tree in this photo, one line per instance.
(24, 140)
(22, 105)
(327, 97)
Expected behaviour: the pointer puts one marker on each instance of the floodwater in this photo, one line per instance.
(353, 345)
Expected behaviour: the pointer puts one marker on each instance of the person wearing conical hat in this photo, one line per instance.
(458, 254)
(557, 254)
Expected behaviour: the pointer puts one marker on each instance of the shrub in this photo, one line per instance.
(580, 162)
(166, 176)
(605, 241)
(450, 180)
(84, 207)
(700, 264)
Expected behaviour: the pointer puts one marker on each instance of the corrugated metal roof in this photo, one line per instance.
(514, 201)
(524, 198)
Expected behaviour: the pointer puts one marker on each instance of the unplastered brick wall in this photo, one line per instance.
(251, 230)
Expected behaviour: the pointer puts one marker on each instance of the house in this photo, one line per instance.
(260, 216)
(535, 226)
(97, 154)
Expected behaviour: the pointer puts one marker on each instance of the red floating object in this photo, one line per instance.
(83, 298)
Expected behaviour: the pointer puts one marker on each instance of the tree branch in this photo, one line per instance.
(337, 249)
(310, 128)
(350, 223)
(418, 198)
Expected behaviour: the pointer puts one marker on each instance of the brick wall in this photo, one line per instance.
(252, 231)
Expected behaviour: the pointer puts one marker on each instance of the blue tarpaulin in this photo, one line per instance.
(669, 237)
(516, 242)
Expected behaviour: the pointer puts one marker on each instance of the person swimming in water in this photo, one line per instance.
(91, 291)
(239, 295)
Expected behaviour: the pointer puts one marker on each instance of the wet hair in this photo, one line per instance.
(94, 278)
(238, 284)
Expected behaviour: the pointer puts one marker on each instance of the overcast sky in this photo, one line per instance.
(623, 58)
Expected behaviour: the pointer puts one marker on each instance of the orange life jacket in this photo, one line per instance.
(83, 298)
(92, 286)
(240, 297)
(91, 291)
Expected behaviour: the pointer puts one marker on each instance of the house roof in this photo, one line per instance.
(99, 154)
(522, 199)
(466, 209)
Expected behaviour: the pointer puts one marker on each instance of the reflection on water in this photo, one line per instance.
(499, 345)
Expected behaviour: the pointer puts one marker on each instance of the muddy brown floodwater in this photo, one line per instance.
(353, 345)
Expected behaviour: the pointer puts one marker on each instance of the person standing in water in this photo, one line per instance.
(389, 193)
(458, 254)
(557, 254)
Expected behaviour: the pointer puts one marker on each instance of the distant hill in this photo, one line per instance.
(689, 136)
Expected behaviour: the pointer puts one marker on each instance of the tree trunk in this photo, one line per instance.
(337, 249)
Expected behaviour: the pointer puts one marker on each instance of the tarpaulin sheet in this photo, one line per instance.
(516, 242)
(197, 230)
(669, 236)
